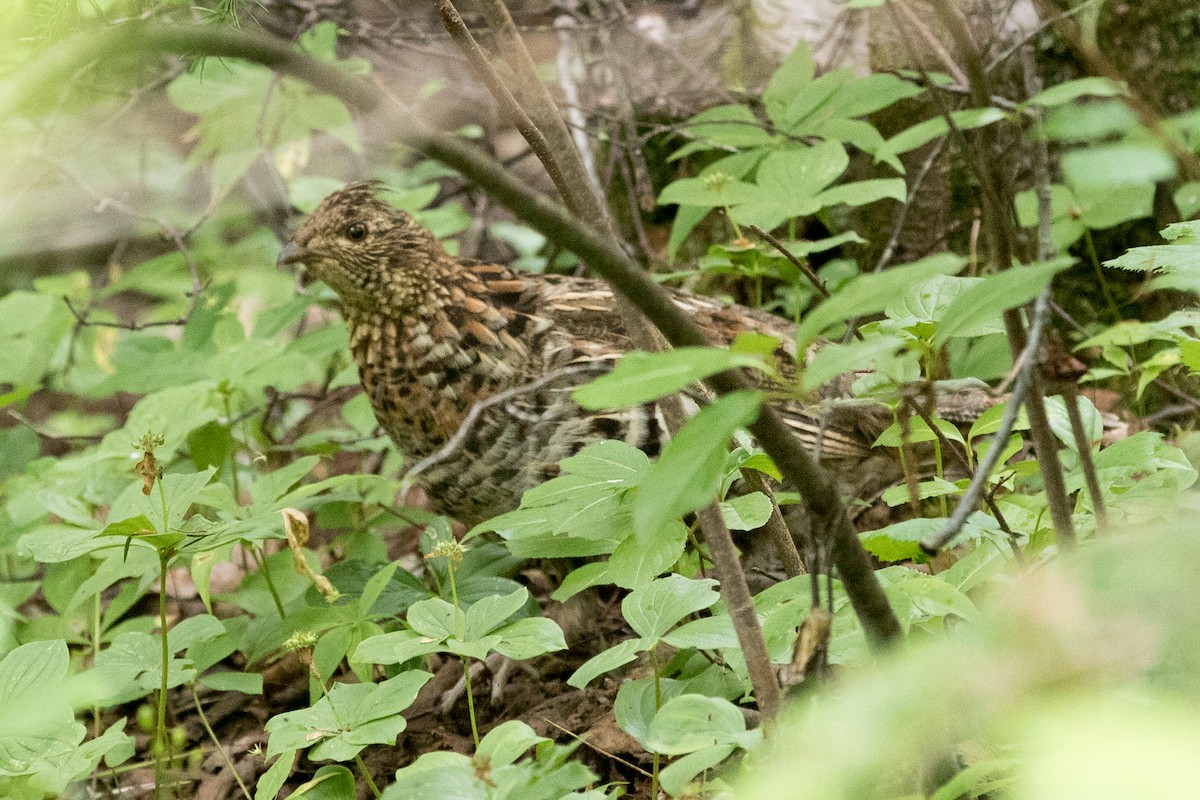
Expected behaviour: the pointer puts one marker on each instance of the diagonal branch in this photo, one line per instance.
(552, 220)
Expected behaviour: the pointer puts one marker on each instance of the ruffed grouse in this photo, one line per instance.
(435, 336)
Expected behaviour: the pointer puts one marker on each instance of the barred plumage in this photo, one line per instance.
(435, 336)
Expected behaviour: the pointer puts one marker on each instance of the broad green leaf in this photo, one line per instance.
(860, 193)
(1060, 423)
(689, 471)
(1187, 199)
(611, 460)
(997, 293)
(487, 614)
(640, 559)
(690, 722)
(614, 657)
(130, 526)
(652, 610)
(729, 125)
(918, 432)
(870, 294)
(930, 129)
(1072, 90)
(746, 512)
(639, 699)
(395, 648)
(530, 637)
(901, 541)
(795, 73)
(1117, 165)
(641, 377)
(789, 183)
(836, 359)
(507, 742)
(435, 618)
(713, 191)
(676, 776)
(870, 93)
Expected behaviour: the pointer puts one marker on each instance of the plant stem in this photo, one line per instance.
(260, 558)
(367, 775)
(1094, 257)
(462, 634)
(160, 733)
(217, 743)
(234, 483)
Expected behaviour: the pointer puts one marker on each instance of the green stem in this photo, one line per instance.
(160, 734)
(234, 484)
(261, 559)
(162, 493)
(1094, 257)
(462, 634)
(657, 705)
(367, 775)
(217, 743)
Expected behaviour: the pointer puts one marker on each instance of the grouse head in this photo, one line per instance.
(373, 255)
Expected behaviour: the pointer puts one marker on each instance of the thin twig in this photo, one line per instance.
(579, 234)
(797, 262)
(902, 215)
(998, 217)
(776, 528)
(508, 103)
(740, 605)
(478, 408)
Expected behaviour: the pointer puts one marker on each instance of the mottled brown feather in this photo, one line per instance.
(434, 335)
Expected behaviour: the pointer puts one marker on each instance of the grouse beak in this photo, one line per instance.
(292, 253)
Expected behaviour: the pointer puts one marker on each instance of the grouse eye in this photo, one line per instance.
(356, 231)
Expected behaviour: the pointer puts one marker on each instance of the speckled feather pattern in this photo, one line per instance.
(433, 335)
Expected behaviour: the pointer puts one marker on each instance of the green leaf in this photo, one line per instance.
(640, 559)
(870, 93)
(692, 722)
(675, 777)
(994, 295)
(747, 512)
(1187, 199)
(706, 193)
(273, 779)
(507, 742)
(930, 129)
(836, 359)
(789, 183)
(1072, 90)
(614, 657)
(729, 125)
(243, 682)
(689, 471)
(609, 460)
(489, 613)
(654, 609)
(435, 618)
(529, 638)
(795, 73)
(870, 294)
(641, 377)
(395, 647)
(347, 719)
(1116, 165)
(901, 541)
(130, 526)
(860, 193)
(1060, 422)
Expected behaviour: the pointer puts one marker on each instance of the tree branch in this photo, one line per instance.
(552, 220)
